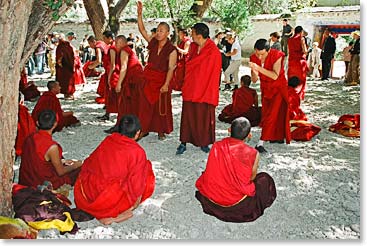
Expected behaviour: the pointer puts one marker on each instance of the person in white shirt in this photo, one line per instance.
(315, 60)
(235, 64)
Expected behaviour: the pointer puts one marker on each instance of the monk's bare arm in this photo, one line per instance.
(274, 73)
(186, 48)
(141, 26)
(255, 166)
(112, 65)
(171, 68)
(53, 156)
(124, 57)
(254, 75)
(98, 60)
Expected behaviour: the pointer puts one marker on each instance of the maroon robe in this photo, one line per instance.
(155, 108)
(200, 94)
(26, 126)
(65, 67)
(49, 100)
(108, 190)
(29, 90)
(78, 75)
(103, 86)
(274, 100)
(295, 111)
(34, 169)
(110, 95)
(226, 183)
(243, 104)
(297, 64)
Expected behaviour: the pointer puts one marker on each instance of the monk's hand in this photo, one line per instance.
(164, 88)
(139, 5)
(118, 88)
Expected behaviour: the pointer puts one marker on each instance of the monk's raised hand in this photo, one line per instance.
(139, 4)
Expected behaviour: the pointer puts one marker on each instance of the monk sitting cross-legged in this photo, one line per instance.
(116, 177)
(49, 100)
(230, 187)
(244, 103)
(41, 157)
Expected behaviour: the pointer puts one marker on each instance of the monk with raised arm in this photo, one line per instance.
(267, 65)
(42, 157)
(244, 103)
(49, 100)
(200, 92)
(230, 187)
(116, 177)
(155, 104)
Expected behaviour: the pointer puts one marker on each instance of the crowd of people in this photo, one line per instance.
(117, 176)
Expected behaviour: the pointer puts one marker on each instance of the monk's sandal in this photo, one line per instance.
(180, 149)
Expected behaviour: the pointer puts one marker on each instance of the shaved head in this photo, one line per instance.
(165, 25)
(121, 38)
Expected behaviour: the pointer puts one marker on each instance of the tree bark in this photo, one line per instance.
(97, 17)
(199, 7)
(22, 23)
(114, 15)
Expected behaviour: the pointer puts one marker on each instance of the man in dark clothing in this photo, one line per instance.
(327, 54)
(286, 33)
(226, 60)
(353, 74)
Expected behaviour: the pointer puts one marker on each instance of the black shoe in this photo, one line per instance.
(277, 141)
(227, 87)
(180, 149)
(205, 149)
(103, 117)
(235, 87)
(260, 148)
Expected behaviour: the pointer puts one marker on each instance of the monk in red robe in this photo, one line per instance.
(297, 61)
(116, 177)
(267, 64)
(26, 126)
(295, 111)
(42, 157)
(90, 72)
(49, 100)
(230, 187)
(244, 103)
(28, 89)
(183, 51)
(127, 78)
(155, 104)
(200, 92)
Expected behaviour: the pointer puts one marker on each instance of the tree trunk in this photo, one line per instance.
(199, 7)
(97, 16)
(114, 15)
(21, 24)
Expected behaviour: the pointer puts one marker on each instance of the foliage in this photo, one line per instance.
(54, 6)
(232, 14)
(295, 5)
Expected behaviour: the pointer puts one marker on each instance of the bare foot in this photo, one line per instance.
(120, 218)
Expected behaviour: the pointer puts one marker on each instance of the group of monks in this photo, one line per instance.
(117, 176)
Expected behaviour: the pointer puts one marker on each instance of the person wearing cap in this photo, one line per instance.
(353, 75)
(315, 60)
(327, 53)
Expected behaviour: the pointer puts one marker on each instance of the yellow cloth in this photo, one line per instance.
(62, 226)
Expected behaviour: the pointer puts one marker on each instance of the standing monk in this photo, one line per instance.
(100, 48)
(267, 64)
(297, 61)
(200, 92)
(155, 105)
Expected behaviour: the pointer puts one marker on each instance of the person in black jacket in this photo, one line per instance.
(353, 75)
(327, 54)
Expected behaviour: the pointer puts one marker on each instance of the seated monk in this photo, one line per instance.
(244, 103)
(348, 125)
(230, 188)
(42, 157)
(49, 100)
(116, 177)
(26, 126)
(28, 89)
(295, 111)
(90, 72)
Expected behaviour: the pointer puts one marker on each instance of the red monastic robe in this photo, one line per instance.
(297, 64)
(155, 108)
(110, 95)
(65, 67)
(29, 90)
(243, 104)
(274, 100)
(113, 177)
(179, 74)
(226, 179)
(348, 125)
(132, 85)
(34, 169)
(295, 111)
(90, 72)
(49, 100)
(200, 94)
(303, 131)
(106, 62)
(26, 126)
